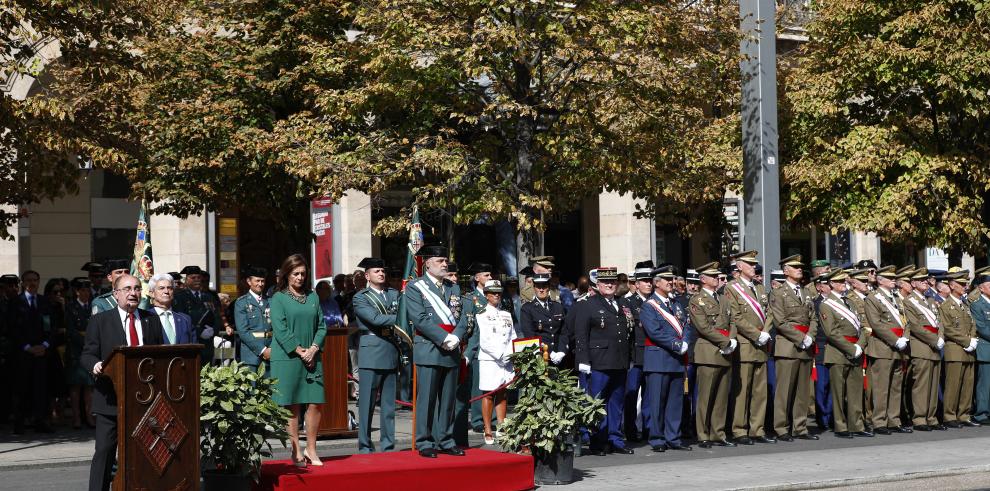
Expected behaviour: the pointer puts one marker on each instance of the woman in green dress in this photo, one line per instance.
(298, 330)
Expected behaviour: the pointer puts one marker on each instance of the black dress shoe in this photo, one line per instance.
(744, 440)
(807, 436)
(868, 434)
(785, 437)
(900, 429)
(704, 444)
(724, 443)
(882, 431)
(953, 424)
(765, 439)
(940, 427)
(922, 428)
(843, 434)
(622, 450)
(455, 451)
(429, 453)
(675, 446)
(659, 448)
(973, 424)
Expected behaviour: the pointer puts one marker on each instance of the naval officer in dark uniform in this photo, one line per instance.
(601, 348)
(635, 379)
(543, 317)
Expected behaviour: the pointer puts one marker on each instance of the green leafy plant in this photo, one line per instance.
(550, 408)
(238, 417)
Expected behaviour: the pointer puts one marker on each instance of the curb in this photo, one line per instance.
(871, 479)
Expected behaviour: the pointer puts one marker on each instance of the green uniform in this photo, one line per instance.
(378, 362)
(429, 307)
(843, 333)
(959, 329)
(252, 319)
(750, 378)
(203, 308)
(468, 414)
(792, 311)
(104, 303)
(296, 325)
(925, 331)
(710, 319)
(857, 301)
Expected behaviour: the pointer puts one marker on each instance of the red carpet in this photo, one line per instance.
(404, 471)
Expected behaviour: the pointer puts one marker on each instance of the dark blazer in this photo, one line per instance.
(635, 305)
(104, 333)
(185, 333)
(602, 335)
(27, 325)
(545, 323)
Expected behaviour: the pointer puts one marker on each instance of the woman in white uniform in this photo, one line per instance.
(495, 335)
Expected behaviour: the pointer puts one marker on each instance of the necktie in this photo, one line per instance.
(132, 330)
(169, 327)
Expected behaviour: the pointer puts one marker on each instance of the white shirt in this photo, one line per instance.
(137, 326)
(165, 315)
(257, 298)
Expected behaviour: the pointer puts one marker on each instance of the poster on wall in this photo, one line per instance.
(227, 234)
(321, 222)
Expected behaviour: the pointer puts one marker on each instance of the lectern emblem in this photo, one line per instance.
(159, 433)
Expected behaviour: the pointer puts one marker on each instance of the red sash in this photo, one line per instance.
(933, 330)
(897, 331)
(803, 329)
(724, 332)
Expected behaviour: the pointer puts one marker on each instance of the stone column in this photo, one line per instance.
(354, 230)
(624, 239)
(179, 242)
(9, 255)
(57, 238)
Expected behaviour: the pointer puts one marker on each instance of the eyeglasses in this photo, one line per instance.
(129, 289)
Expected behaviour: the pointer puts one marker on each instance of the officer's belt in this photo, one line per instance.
(803, 329)
(385, 332)
(262, 335)
(446, 327)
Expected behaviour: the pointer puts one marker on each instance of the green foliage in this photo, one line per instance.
(238, 416)
(885, 121)
(550, 408)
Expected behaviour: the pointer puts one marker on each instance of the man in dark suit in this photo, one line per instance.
(31, 330)
(125, 325)
(178, 327)
(601, 348)
(201, 305)
(636, 380)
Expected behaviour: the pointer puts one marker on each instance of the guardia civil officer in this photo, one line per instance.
(115, 268)
(252, 319)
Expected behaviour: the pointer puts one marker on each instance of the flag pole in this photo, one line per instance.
(411, 272)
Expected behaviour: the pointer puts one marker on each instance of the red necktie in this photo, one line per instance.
(132, 330)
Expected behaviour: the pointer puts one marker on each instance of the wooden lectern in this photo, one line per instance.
(157, 416)
(333, 421)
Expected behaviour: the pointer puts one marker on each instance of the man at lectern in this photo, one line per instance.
(125, 325)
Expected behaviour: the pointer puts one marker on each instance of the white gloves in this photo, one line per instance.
(972, 345)
(450, 342)
(763, 339)
(556, 356)
(806, 342)
(684, 347)
(732, 347)
(940, 343)
(207, 333)
(901, 344)
(585, 369)
(859, 351)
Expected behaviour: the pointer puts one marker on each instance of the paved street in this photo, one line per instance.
(951, 460)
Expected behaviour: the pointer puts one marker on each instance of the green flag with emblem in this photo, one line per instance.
(142, 264)
(412, 270)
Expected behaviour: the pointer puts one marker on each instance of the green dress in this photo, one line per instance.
(296, 324)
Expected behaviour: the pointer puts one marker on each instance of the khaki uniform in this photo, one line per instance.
(792, 310)
(887, 365)
(710, 319)
(959, 328)
(527, 293)
(858, 303)
(925, 357)
(844, 367)
(750, 377)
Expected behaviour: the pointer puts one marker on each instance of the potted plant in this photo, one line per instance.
(237, 417)
(550, 409)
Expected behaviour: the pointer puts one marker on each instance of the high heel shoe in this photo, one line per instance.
(489, 439)
(315, 462)
(301, 462)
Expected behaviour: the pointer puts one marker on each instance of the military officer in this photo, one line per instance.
(201, 305)
(980, 309)
(601, 347)
(857, 287)
(252, 320)
(818, 268)
(792, 311)
(665, 361)
(748, 314)
(94, 271)
(465, 412)
(537, 265)
(974, 292)
(375, 309)
(436, 353)
(716, 341)
(927, 342)
(543, 317)
(843, 356)
(887, 353)
(635, 378)
(115, 268)
(960, 352)
(823, 390)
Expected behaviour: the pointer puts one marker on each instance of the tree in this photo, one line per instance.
(886, 121)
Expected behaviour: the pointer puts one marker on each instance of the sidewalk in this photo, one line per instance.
(68, 447)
